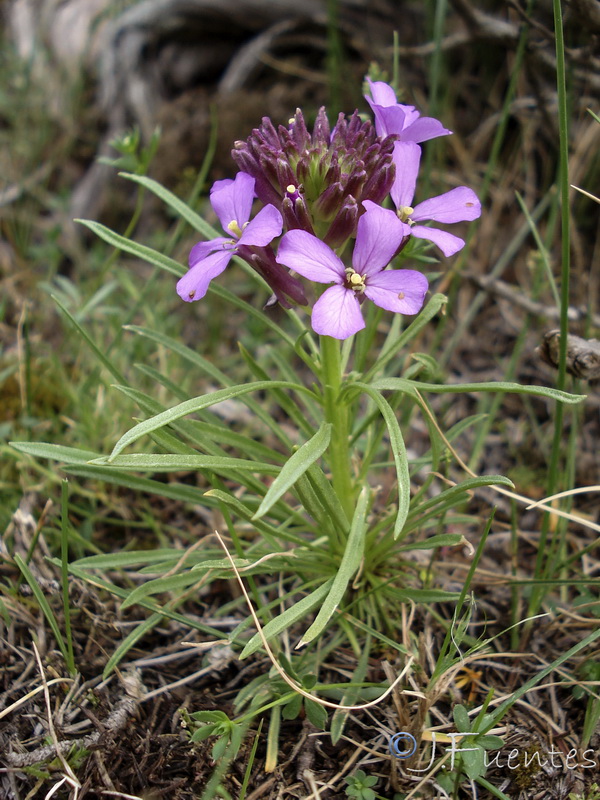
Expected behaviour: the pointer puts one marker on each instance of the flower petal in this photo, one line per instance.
(265, 227)
(406, 157)
(203, 249)
(424, 128)
(388, 119)
(195, 282)
(447, 242)
(310, 257)
(457, 205)
(400, 290)
(232, 200)
(337, 313)
(378, 236)
(382, 93)
(410, 114)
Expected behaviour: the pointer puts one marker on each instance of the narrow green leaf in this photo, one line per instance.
(398, 452)
(174, 491)
(295, 467)
(435, 506)
(177, 346)
(398, 345)
(292, 410)
(349, 565)
(175, 203)
(233, 300)
(133, 248)
(43, 604)
(331, 502)
(162, 585)
(118, 591)
(290, 617)
(403, 385)
(129, 641)
(196, 404)
(274, 535)
(90, 342)
(56, 452)
(340, 717)
(440, 540)
(168, 462)
(127, 559)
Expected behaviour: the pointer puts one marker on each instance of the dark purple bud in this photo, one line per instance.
(333, 173)
(295, 214)
(303, 171)
(305, 175)
(303, 215)
(263, 188)
(378, 186)
(329, 202)
(285, 176)
(344, 225)
(321, 130)
(283, 284)
(268, 134)
(299, 132)
(355, 183)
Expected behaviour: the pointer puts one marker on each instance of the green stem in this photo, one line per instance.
(336, 413)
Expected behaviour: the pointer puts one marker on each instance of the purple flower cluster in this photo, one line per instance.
(326, 189)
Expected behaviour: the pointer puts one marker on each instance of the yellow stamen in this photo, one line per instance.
(234, 228)
(401, 295)
(404, 213)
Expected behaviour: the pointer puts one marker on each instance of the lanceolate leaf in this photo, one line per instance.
(134, 249)
(289, 617)
(57, 452)
(175, 203)
(398, 452)
(349, 565)
(403, 385)
(295, 467)
(159, 462)
(196, 404)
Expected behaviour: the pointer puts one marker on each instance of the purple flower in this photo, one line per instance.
(317, 180)
(458, 205)
(337, 312)
(232, 202)
(393, 118)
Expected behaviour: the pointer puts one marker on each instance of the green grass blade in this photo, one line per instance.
(129, 641)
(117, 374)
(43, 604)
(64, 557)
